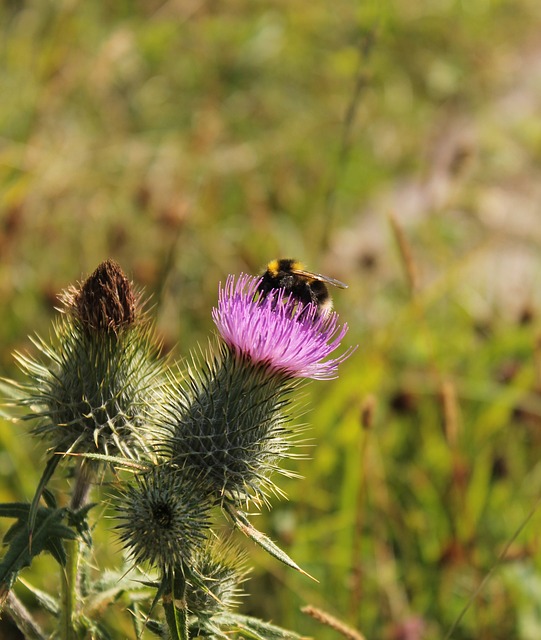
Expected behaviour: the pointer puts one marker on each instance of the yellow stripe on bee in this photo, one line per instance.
(272, 267)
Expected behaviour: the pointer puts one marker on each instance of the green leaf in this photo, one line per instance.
(155, 627)
(79, 521)
(207, 629)
(256, 629)
(46, 602)
(177, 620)
(243, 524)
(55, 547)
(49, 531)
(13, 509)
(49, 499)
(48, 472)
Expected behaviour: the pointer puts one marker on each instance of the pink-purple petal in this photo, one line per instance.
(285, 337)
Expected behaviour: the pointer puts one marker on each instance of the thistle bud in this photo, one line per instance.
(163, 519)
(213, 585)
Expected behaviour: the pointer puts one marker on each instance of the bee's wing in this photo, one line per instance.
(321, 278)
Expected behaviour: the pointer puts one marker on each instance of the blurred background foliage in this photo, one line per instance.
(395, 146)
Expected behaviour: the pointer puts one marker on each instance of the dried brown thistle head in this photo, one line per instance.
(105, 301)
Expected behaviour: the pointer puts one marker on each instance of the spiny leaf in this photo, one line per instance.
(155, 627)
(79, 521)
(243, 524)
(177, 620)
(48, 472)
(49, 498)
(45, 600)
(13, 509)
(207, 629)
(115, 461)
(48, 534)
(55, 547)
(256, 629)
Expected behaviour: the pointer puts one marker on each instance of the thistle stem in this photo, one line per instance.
(70, 578)
(176, 612)
(83, 480)
(69, 591)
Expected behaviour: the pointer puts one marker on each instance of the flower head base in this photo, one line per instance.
(277, 332)
(228, 427)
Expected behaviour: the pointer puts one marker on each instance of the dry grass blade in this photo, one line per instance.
(406, 254)
(330, 621)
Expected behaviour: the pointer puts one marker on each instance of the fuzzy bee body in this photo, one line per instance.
(304, 286)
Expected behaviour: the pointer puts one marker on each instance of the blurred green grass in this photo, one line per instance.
(189, 140)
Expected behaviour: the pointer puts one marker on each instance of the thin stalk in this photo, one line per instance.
(22, 618)
(365, 46)
(360, 505)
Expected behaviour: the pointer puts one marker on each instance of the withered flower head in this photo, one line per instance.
(105, 302)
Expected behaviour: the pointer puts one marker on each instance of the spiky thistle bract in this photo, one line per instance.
(214, 580)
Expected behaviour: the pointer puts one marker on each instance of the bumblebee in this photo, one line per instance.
(306, 287)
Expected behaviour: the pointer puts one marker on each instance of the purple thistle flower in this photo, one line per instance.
(277, 331)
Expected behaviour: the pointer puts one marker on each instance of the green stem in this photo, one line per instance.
(69, 591)
(81, 490)
(70, 573)
(176, 613)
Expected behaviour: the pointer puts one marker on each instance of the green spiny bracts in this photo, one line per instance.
(211, 585)
(163, 519)
(228, 425)
(94, 386)
(214, 579)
